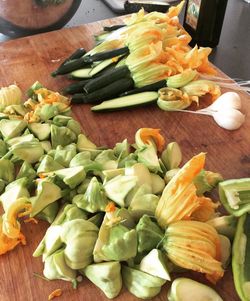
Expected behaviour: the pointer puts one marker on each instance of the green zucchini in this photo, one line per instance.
(75, 55)
(76, 87)
(71, 66)
(107, 92)
(80, 73)
(104, 55)
(152, 87)
(106, 78)
(128, 101)
(113, 27)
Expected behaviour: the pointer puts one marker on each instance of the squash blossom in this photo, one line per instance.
(196, 246)
(179, 200)
(6, 243)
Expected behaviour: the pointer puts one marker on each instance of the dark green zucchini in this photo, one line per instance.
(104, 55)
(152, 87)
(113, 27)
(111, 90)
(76, 87)
(126, 102)
(107, 78)
(75, 55)
(71, 66)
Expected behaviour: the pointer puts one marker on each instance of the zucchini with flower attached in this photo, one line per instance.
(126, 102)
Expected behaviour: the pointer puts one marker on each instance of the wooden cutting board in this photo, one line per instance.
(33, 58)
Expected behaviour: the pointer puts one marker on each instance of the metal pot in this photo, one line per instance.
(20, 18)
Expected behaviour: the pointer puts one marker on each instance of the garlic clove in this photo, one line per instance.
(226, 100)
(229, 119)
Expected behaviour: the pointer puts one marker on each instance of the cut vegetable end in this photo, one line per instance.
(184, 289)
(127, 101)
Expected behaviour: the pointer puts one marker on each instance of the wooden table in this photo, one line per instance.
(33, 58)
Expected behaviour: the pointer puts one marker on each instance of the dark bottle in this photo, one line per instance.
(203, 21)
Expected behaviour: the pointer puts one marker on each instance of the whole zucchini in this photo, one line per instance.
(107, 78)
(76, 87)
(106, 55)
(111, 90)
(71, 66)
(152, 87)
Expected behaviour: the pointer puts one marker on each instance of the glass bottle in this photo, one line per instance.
(203, 20)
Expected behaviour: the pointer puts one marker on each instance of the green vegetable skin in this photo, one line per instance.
(241, 258)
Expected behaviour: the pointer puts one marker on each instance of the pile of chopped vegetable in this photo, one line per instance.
(130, 214)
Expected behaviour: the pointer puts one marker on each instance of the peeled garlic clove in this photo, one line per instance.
(229, 119)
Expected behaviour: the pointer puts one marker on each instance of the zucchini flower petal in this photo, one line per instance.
(149, 136)
(202, 87)
(179, 199)
(10, 225)
(196, 246)
(6, 243)
(171, 99)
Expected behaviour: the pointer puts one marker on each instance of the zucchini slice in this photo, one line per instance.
(80, 73)
(101, 66)
(126, 102)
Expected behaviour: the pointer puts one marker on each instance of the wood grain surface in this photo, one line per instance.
(33, 58)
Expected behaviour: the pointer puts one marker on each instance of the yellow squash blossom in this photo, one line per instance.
(196, 246)
(150, 136)
(179, 200)
(6, 243)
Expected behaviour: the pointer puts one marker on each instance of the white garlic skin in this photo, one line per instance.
(229, 119)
